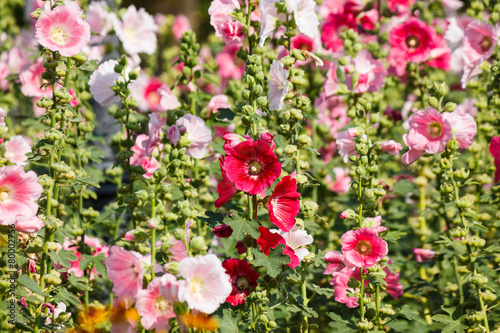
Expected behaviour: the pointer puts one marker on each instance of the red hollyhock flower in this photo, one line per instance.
(283, 205)
(225, 188)
(252, 166)
(243, 279)
(412, 40)
(223, 231)
(268, 240)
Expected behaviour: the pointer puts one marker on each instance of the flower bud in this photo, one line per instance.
(262, 101)
(453, 144)
(476, 316)
(304, 140)
(387, 310)
(309, 208)
(488, 296)
(301, 179)
(36, 14)
(198, 244)
(450, 107)
(478, 279)
(290, 149)
(463, 203)
(348, 214)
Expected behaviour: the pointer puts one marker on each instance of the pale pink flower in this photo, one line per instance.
(269, 19)
(342, 181)
(218, 102)
(363, 248)
(468, 106)
(199, 135)
(451, 5)
(392, 147)
(305, 16)
(168, 101)
(125, 271)
(3, 114)
(429, 133)
(180, 26)
(28, 225)
(463, 125)
(331, 85)
(155, 305)
(371, 73)
(102, 80)
(16, 149)
(206, 285)
(142, 158)
(335, 262)
(156, 126)
(374, 223)
(231, 30)
(174, 134)
(346, 145)
(19, 192)
(296, 239)
(62, 29)
(423, 255)
(4, 73)
(31, 80)
(137, 31)
(98, 18)
(278, 85)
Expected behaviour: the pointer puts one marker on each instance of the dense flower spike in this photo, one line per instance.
(283, 204)
(243, 280)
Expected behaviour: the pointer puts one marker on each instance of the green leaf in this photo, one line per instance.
(273, 262)
(212, 218)
(393, 236)
(451, 325)
(493, 248)
(225, 114)
(63, 257)
(88, 181)
(241, 225)
(97, 261)
(411, 314)
(297, 306)
(89, 66)
(340, 324)
(322, 291)
(229, 321)
(29, 283)
(80, 283)
(63, 295)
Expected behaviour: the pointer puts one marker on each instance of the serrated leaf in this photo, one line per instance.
(451, 325)
(88, 181)
(242, 226)
(29, 283)
(63, 295)
(225, 114)
(97, 261)
(411, 314)
(79, 282)
(229, 322)
(322, 291)
(273, 262)
(212, 218)
(63, 257)
(299, 307)
(493, 248)
(393, 236)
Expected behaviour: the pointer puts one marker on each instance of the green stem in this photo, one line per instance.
(303, 287)
(361, 295)
(377, 307)
(255, 207)
(459, 280)
(483, 310)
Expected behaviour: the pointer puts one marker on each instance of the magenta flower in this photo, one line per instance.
(231, 30)
(125, 271)
(412, 40)
(63, 29)
(429, 133)
(341, 290)
(283, 204)
(423, 255)
(495, 152)
(335, 262)
(243, 280)
(363, 248)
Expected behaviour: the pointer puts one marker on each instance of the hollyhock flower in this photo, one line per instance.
(218, 102)
(467, 106)
(174, 134)
(225, 188)
(335, 23)
(19, 192)
(335, 263)
(400, 7)
(168, 101)
(97, 248)
(142, 159)
(346, 145)
(429, 133)
(180, 26)
(16, 149)
(412, 39)
(463, 125)
(283, 204)
(156, 127)
(243, 279)
(28, 225)
(31, 80)
(123, 317)
(305, 16)
(199, 135)
(145, 90)
(270, 239)
(296, 239)
(393, 288)
(4, 73)
(269, 19)
(62, 29)
(371, 73)
(230, 66)
(137, 31)
(206, 285)
(252, 166)
(363, 248)
(125, 271)
(155, 305)
(392, 147)
(98, 18)
(232, 31)
(302, 42)
(368, 19)
(374, 223)
(331, 85)
(342, 181)
(278, 85)
(102, 80)
(495, 152)
(222, 231)
(341, 289)
(423, 255)
(451, 5)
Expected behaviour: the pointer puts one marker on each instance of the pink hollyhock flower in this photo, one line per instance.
(28, 225)
(62, 29)
(218, 102)
(278, 85)
(341, 290)
(102, 80)
(16, 149)
(335, 262)
(230, 66)
(296, 239)
(371, 73)
(243, 279)
(451, 5)
(206, 285)
(423, 255)
(374, 223)
(4, 73)
(412, 40)
(232, 31)
(74, 102)
(252, 166)
(346, 145)
(363, 248)
(137, 31)
(156, 126)
(125, 271)
(31, 80)
(342, 181)
(168, 101)
(335, 23)
(19, 192)
(174, 134)
(463, 125)
(142, 159)
(495, 152)
(231, 141)
(199, 135)
(305, 16)
(400, 7)
(467, 106)
(225, 188)
(180, 26)
(429, 133)
(331, 85)
(283, 204)
(98, 18)
(393, 288)
(155, 305)
(302, 42)
(269, 240)
(392, 147)
(368, 19)
(145, 90)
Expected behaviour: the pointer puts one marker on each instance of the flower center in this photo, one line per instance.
(4, 194)
(130, 33)
(59, 36)
(435, 130)
(242, 283)
(196, 285)
(254, 168)
(486, 43)
(363, 247)
(162, 305)
(412, 42)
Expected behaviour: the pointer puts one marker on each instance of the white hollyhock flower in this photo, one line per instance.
(278, 85)
(305, 16)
